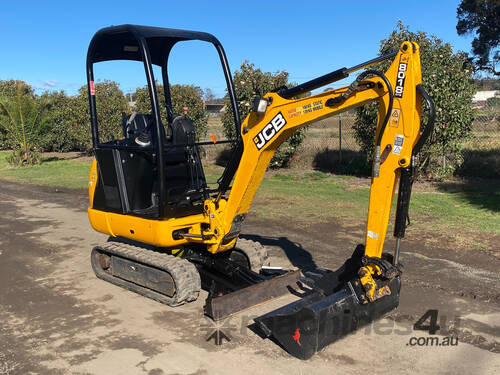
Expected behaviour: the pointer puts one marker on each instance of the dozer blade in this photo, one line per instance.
(308, 325)
(220, 307)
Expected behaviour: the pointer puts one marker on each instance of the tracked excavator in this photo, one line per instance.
(171, 235)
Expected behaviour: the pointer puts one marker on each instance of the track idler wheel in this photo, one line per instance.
(251, 254)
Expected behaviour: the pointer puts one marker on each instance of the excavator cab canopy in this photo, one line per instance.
(123, 42)
(152, 46)
(154, 170)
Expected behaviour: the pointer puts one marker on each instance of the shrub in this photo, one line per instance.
(249, 82)
(111, 106)
(20, 157)
(21, 120)
(447, 78)
(58, 127)
(8, 89)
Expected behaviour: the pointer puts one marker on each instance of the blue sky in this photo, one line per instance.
(45, 42)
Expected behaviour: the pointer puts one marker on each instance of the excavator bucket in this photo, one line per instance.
(333, 308)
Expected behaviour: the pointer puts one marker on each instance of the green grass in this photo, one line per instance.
(476, 208)
(62, 173)
(314, 197)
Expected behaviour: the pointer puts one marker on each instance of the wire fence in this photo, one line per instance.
(481, 151)
(330, 144)
(486, 131)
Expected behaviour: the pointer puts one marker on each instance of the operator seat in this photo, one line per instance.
(183, 169)
(137, 128)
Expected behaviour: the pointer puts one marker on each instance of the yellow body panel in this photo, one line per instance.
(153, 232)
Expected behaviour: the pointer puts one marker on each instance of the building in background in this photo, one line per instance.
(214, 107)
(480, 98)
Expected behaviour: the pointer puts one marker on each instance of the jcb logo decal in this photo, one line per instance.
(269, 131)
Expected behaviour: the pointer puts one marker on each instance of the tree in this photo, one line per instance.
(208, 95)
(482, 17)
(59, 126)
(111, 106)
(447, 78)
(186, 99)
(8, 89)
(249, 82)
(21, 120)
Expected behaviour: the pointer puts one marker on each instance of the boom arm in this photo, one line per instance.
(397, 134)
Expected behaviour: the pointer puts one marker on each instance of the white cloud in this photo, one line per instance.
(71, 88)
(46, 85)
(50, 83)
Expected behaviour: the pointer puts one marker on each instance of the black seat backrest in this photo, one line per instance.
(183, 131)
(135, 123)
(184, 171)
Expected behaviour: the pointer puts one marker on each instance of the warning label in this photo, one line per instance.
(395, 115)
(398, 144)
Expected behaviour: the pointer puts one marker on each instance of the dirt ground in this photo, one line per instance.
(57, 318)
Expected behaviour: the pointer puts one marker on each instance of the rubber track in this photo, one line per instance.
(255, 252)
(185, 275)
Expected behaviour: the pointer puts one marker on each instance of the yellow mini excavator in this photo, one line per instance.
(172, 235)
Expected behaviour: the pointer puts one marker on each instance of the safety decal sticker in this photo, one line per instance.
(304, 109)
(400, 81)
(394, 121)
(398, 144)
(92, 88)
(269, 131)
(372, 235)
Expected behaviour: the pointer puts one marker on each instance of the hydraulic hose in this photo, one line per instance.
(376, 164)
(348, 92)
(429, 127)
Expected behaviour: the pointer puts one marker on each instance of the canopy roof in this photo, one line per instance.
(122, 42)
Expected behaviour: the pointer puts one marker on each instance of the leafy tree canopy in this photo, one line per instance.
(487, 84)
(8, 88)
(249, 82)
(447, 78)
(111, 106)
(21, 116)
(482, 17)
